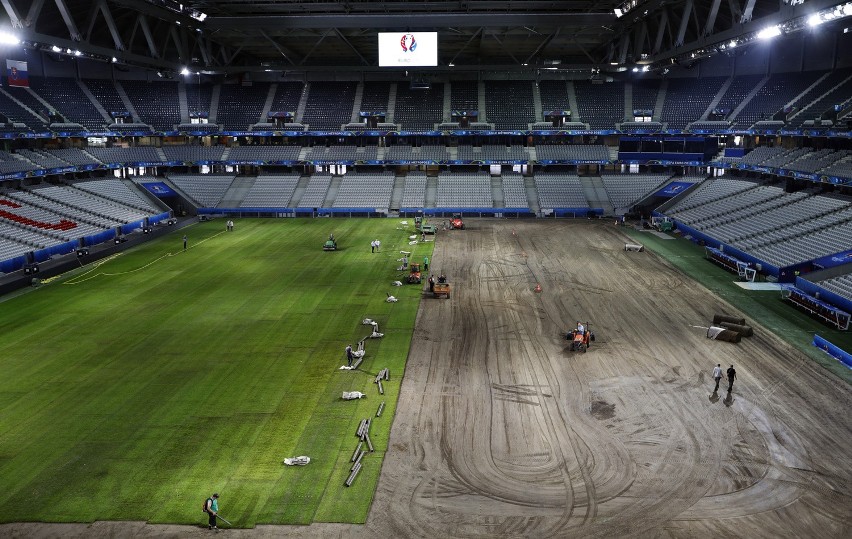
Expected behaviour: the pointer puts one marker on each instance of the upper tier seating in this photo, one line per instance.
(241, 106)
(414, 192)
(818, 160)
(815, 93)
(559, 190)
(333, 153)
(554, 95)
(18, 114)
(264, 153)
(10, 163)
(419, 110)
(509, 104)
(567, 152)
(125, 155)
(779, 90)
(205, 189)
(464, 190)
(329, 105)
(287, 97)
(501, 152)
(198, 97)
(366, 190)
(156, 103)
(315, 191)
(375, 96)
(687, 99)
(644, 127)
(464, 95)
(106, 94)
(42, 159)
(644, 96)
(73, 156)
(271, 191)
(193, 153)
(601, 105)
(736, 93)
(30, 101)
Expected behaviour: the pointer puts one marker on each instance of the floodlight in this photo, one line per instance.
(184, 71)
(732, 44)
(815, 20)
(645, 69)
(114, 59)
(769, 32)
(55, 49)
(8, 39)
(77, 53)
(635, 69)
(618, 13)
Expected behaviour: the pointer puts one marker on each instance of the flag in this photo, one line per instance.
(16, 73)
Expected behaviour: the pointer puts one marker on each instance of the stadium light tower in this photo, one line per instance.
(8, 39)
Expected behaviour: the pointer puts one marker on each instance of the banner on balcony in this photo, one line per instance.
(16, 73)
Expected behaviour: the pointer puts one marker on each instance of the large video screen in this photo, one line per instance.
(408, 49)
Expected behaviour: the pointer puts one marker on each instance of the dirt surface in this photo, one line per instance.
(501, 431)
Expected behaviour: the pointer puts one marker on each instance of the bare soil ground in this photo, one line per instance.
(501, 431)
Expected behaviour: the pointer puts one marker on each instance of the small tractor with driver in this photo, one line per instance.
(457, 223)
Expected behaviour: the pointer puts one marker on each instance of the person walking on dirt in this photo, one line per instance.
(431, 284)
(349, 355)
(184, 242)
(425, 263)
(211, 510)
(732, 375)
(717, 375)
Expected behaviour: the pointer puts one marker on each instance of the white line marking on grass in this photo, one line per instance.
(80, 279)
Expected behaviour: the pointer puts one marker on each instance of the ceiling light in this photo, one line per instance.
(8, 39)
(635, 69)
(114, 59)
(815, 20)
(732, 44)
(768, 33)
(77, 53)
(618, 13)
(184, 71)
(55, 49)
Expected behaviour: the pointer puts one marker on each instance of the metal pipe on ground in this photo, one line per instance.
(370, 444)
(381, 407)
(358, 460)
(719, 318)
(744, 331)
(352, 475)
(381, 389)
(361, 427)
(357, 450)
(367, 426)
(387, 374)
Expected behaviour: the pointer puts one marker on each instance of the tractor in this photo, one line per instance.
(414, 274)
(441, 288)
(330, 244)
(580, 341)
(456, 223)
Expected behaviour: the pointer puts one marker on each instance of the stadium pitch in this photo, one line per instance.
(135, 387)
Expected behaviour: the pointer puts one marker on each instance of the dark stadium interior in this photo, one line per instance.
(728, 123)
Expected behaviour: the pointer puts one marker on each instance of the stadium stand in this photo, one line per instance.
(509, 104)
(554, 95)
(106, 94)
(464, 190)
(264, 153)
(779, 90)
(600, 105)
(91, 206)
(156, 103)
(365, 191)
(205, 189)
(464, 95)
(315, 191)
(329, 105)
(287, 96)
(273, 191)
(241, 106)
(188, 153)
(813, 103)
(117, 191)
(419, 109)
(125, 155)
(46, 210)
(736, 93)
(375, 96)
(625, 190)
(30, 101)
(198, 97)
(414, 191)
(842, 285)
(514, 192)
(73, 156)
(42, 159)
(687, 99)
(559, 190)
(17, 114)
(15, 163)
(568, 152)
(644, 95)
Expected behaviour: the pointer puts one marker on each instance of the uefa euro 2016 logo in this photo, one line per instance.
(408, 43)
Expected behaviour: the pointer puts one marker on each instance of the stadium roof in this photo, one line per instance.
(228, 36)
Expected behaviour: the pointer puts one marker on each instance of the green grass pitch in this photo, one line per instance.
(134, 388)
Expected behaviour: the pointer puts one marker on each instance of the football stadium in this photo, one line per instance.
(474, 269)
